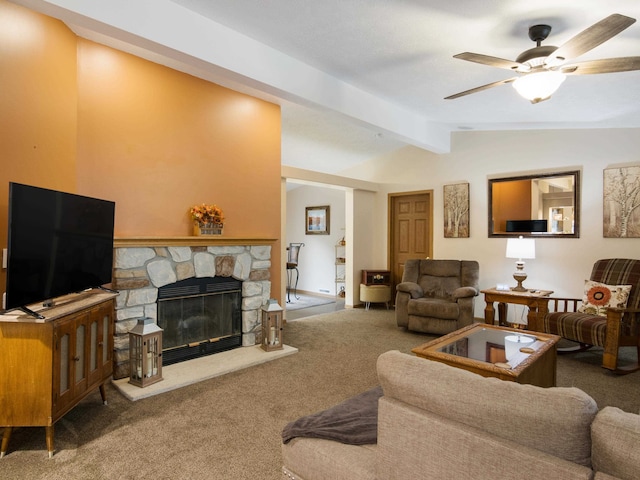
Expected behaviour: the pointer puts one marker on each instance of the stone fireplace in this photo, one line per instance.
(143, 266)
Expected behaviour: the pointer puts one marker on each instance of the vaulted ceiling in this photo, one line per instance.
(358, 78)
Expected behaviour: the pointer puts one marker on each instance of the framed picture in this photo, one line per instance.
(621, 196)
(456, 210)
(317, 220)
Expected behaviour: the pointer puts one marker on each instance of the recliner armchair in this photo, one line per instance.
(437, 296)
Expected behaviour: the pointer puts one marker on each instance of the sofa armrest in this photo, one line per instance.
(615, 435)
(464, 292)
(623, 310)
(411, 288)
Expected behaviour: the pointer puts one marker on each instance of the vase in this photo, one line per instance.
(207, 229)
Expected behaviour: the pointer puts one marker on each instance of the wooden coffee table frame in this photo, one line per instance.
(538, 368)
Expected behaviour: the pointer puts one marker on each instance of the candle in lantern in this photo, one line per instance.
(149, 364)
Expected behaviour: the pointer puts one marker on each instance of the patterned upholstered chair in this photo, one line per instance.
(437, 296)
(614, 327)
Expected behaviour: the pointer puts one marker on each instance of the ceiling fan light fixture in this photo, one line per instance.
(539, 86)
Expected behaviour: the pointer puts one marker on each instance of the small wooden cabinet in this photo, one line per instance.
(376, 277)
(48, 365)
(375, 287)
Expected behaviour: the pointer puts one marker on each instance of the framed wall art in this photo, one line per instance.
(621, 196)
(317, 220)
(456, 211)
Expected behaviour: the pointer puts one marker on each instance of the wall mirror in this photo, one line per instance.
(537, 205)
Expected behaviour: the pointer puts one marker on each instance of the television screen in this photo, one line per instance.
(526, 226)
(59, 243)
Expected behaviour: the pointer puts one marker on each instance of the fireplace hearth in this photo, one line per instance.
(143, 266)
(200, 316)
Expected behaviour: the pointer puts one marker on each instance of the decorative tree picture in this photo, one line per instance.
(456, 210)
(621, 194)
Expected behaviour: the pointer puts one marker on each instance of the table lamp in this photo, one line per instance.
(520, 248)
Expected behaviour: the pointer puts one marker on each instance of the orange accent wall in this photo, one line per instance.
(81, 117)
(38, 97)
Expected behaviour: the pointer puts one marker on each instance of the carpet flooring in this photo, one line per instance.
(229, 427)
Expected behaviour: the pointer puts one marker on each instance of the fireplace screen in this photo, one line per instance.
(200, 317)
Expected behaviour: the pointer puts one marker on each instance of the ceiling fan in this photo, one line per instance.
(542, 69)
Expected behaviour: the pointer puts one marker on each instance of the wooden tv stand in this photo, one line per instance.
(49, 365)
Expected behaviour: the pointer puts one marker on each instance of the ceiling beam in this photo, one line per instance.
(169, 34)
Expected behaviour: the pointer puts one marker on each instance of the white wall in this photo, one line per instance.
(561, 264)
(361, 240)
(317, 258)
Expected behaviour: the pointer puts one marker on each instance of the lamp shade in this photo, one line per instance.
(539, 86)
(521, 248)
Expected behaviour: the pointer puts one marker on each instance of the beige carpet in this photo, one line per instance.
(229, 427)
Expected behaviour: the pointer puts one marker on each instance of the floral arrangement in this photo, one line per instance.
(202, 214)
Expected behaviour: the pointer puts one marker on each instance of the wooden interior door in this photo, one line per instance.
(411, 230)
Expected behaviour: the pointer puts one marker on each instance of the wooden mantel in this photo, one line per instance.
(189, 241)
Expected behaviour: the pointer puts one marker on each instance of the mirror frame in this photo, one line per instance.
(534, 176)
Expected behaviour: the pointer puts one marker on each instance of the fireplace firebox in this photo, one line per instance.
(199, 316)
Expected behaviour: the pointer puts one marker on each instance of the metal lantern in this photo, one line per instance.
(271, 326)
(145, 353)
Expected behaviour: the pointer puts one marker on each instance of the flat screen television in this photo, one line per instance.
(59, 243)
(527, 226)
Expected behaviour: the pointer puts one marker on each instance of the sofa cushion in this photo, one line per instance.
(553, 420)
(615, 437)
(604, 476)
(414, 443)
(434, 307)
(439, 287)
(319, 459)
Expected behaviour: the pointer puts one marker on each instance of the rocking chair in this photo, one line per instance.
(618, 328)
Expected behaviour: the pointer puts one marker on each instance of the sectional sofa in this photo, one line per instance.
(439, 422)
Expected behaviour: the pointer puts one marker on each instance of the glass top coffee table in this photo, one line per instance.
(509, 354)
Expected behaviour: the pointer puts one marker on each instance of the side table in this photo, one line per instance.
(536, 300)
(375, 287)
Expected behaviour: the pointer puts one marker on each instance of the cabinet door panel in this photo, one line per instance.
(63, 364)
(80, 355)
(93, 346)
(106, 339)
(95, 364)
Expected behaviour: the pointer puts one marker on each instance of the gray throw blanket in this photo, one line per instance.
(354, 421)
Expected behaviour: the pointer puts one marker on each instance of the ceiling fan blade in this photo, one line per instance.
(479, 89)
(606, 65)
(492, 61)
(590, 38)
